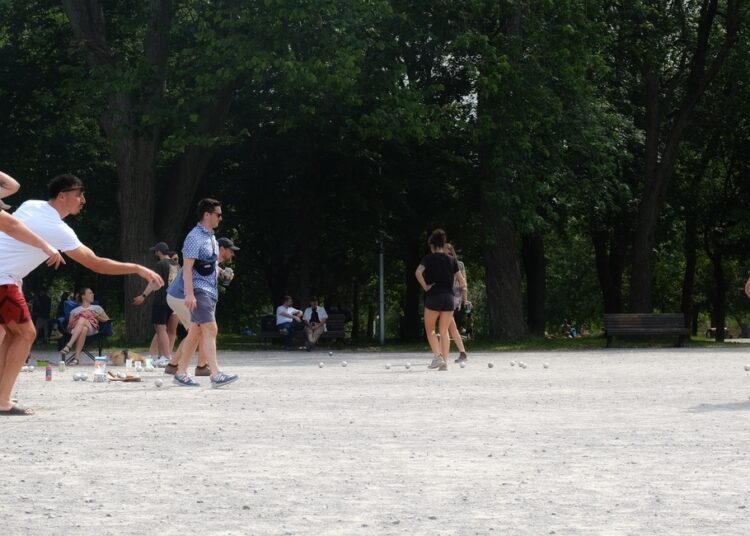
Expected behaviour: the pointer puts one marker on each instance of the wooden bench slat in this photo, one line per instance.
(645, 324)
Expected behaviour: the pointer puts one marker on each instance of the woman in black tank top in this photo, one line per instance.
(436, 273)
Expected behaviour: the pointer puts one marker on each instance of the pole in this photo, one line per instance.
(382, 299)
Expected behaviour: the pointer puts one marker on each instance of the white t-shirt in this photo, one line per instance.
(18, 259)
(280, 319)
(322, 315)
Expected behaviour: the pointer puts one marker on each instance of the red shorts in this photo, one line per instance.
(13, 306)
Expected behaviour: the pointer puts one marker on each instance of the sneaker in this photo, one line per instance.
(162, 362)
(443, 366)
(185, 381)
(221, 379)
(171, 369)
(436, 362)
(205, 370)
(461, 357)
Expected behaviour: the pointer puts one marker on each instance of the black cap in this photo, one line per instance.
(227, 243)
(161, 247)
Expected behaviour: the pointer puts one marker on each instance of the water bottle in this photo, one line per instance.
(228, 272)
(61, 365)
(48, 372)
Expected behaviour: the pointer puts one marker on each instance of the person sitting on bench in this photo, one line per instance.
(288, 319)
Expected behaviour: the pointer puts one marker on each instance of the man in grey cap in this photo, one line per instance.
(160, 311)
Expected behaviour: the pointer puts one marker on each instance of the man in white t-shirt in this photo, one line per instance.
(66, 197)
(287, 320)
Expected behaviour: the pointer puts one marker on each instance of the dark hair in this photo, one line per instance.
(80, 293)
(437, 238)
(287, 298)
(207, 205)
(314, 298)
(62, 183)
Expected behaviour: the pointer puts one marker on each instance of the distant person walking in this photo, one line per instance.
(460, 300)
(435, 273)
(160, 311)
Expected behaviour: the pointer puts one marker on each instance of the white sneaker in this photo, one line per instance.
(161, 362)
(436, 362)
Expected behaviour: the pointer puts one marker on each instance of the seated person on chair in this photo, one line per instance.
(84, 321)
(315, 318)
(288, 319)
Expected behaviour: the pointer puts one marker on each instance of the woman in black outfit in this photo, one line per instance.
(436, 273)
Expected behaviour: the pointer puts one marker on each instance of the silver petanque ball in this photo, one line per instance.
(84, 377)
(462, 364)
(330, 353)
(545, 365)
(344, 363)
(321, 365)
(31, 368)
(387, 366)
(747, 368)
(490, 364)
(408, 366)
(158, 382)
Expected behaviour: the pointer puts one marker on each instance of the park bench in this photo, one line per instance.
(645, 324)
(336, 327)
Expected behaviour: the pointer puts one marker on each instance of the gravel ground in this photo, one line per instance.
(640, 442)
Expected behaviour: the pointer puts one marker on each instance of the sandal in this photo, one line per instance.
(16, 410)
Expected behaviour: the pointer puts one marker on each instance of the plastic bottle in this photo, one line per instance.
(48, 372)
(61, 365)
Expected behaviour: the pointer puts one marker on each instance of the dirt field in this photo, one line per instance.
(607, 442)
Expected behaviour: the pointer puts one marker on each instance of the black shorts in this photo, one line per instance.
(160, 314)
(438, 302)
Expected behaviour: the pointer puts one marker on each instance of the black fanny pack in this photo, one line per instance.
(205, 268)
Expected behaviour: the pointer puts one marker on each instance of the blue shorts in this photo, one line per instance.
(205, 310)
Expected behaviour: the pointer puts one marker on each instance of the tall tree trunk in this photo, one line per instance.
(535, 266)
(609, 269)
(135, 168)
(502, 268)
(355, 309)
(690, 249)
(411, 321)
(720, 296)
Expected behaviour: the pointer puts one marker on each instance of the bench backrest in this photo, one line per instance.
(336, 322)
(644, 320)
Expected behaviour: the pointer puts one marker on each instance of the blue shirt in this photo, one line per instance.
(200, 243)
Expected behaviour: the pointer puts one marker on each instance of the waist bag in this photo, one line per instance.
(205, 268)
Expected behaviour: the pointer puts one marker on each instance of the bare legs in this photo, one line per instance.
(205, 335)
(78, 337)
(444, 319)
(14, 349)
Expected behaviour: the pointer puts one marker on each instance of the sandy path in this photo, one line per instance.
(615, 442)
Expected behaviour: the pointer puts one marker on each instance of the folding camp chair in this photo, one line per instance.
(105, 330)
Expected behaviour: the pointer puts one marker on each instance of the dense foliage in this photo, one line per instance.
(584, 156)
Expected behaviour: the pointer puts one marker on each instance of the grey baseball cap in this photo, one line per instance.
(227, 243)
